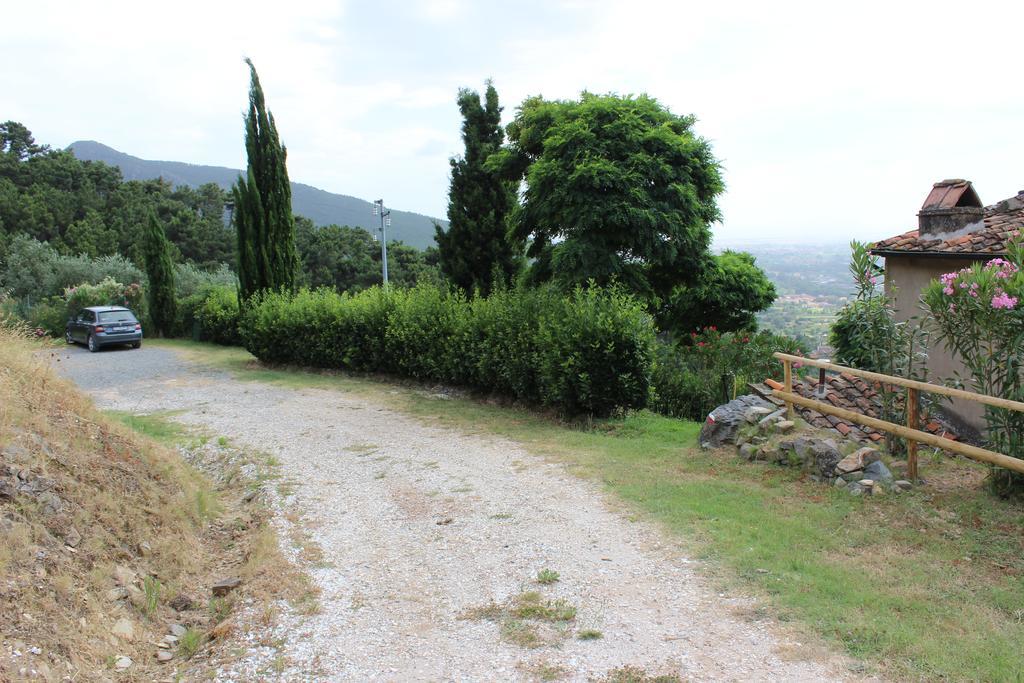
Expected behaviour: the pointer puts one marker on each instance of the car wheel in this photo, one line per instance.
(93, 346)
(67, 337)
(137, 345)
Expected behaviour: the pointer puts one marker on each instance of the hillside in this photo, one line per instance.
(109, 541)
(322, 207)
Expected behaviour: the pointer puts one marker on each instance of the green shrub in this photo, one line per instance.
(594, 352)
(190, 280)
(217, 317)
(680, 390)
(49, 315)
(693, 376)
(589, 352)
(502, 336)
(425, 336)
(320, 328)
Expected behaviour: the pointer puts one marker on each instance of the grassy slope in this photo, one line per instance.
(136, 504)
(927, 585)
(118, 492)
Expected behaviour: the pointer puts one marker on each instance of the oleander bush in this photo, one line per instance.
(585, 352)
(978, 313)
(108, 292)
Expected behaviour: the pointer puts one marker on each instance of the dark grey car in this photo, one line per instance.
(99, 326)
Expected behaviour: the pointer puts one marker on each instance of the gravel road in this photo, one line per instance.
(419, 525)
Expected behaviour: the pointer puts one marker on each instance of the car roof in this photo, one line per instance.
(101, 309)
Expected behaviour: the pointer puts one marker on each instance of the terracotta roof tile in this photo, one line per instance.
(855, 395)
(1001, 220)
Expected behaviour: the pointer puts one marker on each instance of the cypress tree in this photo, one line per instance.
(263, 204)
(477, 248)
(156, 250)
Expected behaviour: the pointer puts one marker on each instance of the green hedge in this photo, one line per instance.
(586, 352)
(209, 315)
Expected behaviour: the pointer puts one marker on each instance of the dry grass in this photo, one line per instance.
(527, 620)
(124, 501)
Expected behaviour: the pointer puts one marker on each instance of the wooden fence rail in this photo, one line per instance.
(910, 432)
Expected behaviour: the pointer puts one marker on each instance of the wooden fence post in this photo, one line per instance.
(912, 413)
(787, 367)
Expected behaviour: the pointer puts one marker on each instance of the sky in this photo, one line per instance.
(831, 120)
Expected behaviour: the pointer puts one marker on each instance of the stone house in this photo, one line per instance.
(954, 230)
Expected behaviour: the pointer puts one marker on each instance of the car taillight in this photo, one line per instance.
(138, 326)
(98, 328)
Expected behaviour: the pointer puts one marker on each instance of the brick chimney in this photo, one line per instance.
(952, 206)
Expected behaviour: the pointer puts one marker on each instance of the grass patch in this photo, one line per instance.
(527, 620)
(521, 633)
(589, 634)
(532, 605)
(152, 590)
(635, 674)
(543, 671)
(547, 576)
(892, 580)
(190, 642)
(158, 426)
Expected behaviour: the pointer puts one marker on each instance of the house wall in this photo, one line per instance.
(905, 277)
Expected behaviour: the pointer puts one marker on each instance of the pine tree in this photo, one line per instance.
(476, 248)
(263, 204)
(156, 250)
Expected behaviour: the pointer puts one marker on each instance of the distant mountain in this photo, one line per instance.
(322, 207)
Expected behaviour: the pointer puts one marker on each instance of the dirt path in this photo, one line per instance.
(420, 525)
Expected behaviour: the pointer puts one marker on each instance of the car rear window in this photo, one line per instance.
(116, 317)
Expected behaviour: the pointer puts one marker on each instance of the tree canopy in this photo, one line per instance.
(731, 290)
(477, 246)
(263, 204)
(85, 207)
(348, 259)
(617, 188)
(160, 293)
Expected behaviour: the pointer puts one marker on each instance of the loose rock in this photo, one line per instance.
(784, 426)
(123, 662)
(177, 630)
(119, 593)
(124, 576)
(73, 538)
(181, 602)
(721, 425)
(164, 656)
(879, 472)
(123, 628)
(51, 502)
(748, 451)
(225, 586)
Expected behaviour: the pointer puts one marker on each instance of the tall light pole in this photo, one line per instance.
(385, 223)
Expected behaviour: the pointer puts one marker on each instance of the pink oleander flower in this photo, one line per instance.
(947, 290)
(1004, 300)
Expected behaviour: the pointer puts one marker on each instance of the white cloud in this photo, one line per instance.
(831, 118)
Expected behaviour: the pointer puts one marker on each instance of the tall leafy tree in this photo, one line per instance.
(263, 204)
(617, 189)
(731, 290)
(160, 273)
(477, 247)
